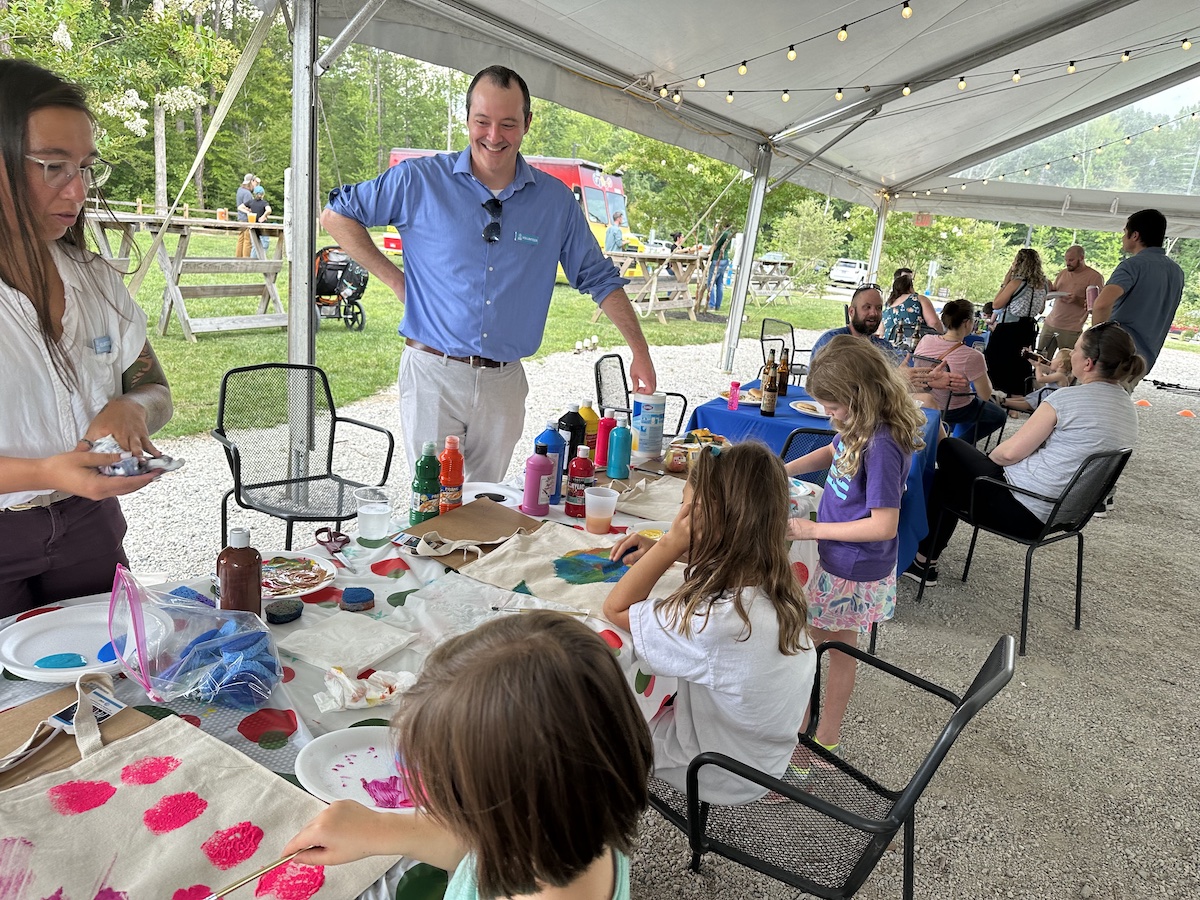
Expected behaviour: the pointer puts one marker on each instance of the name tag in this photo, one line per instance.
(102, 344)
(521, 238)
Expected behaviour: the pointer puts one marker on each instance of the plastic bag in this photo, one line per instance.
(175, 647)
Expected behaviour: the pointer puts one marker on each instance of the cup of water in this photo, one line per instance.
(375, 511)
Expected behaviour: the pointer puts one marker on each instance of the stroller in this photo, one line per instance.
(338, 287)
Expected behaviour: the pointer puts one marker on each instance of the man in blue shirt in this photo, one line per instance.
(483, 235)
(1144, 291)
(613, 238)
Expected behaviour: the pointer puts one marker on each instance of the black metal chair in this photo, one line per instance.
(612, 392)
(824, 831)
(277, 424)
(778, 335)
(803, 441)
(1092, 482)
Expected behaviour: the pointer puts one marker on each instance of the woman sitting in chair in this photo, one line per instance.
(1094, 416)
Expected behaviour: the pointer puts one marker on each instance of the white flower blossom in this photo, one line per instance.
(178, 99)
(127, 107)
(62, 37)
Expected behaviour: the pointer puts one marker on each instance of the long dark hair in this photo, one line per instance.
(901, 287)
(25, 263)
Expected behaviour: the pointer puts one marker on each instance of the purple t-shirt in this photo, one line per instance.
(878, 484)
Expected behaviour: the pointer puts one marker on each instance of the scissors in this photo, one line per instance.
(334, 541)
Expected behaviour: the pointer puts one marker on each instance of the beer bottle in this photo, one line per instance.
(770, 393)
(785, 372)
(762, 373)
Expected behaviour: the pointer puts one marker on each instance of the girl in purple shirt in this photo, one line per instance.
(878, 427)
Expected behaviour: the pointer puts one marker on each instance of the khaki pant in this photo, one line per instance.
(243, 244)
(1052, 339)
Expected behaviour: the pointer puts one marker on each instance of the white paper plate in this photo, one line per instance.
(328, 567)
(335, 765)
(809, 408)
(74, 629)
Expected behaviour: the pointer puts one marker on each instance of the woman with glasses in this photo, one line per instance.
(77, 365)
(1096, 415)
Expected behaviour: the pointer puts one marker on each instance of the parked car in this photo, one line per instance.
(848, 271)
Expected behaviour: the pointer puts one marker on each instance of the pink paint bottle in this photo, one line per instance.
(539, 482)
(735, 388)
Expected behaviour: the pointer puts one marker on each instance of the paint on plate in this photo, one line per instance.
(61, 661)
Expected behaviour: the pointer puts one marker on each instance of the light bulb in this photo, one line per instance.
(662, 92)
(791, 53)
(1071, 67)
(1016, 75)
(843, 34)
(1128, 140)
(914, 193)
(906, 10)
(985, 181)
(1026, 171)
(1001, 176)
(676, 97)
(962, 187)
(837, 95)
(906, 90)
(962, 82)
(1100, 149)
(729, 97)
(1125, 56)
(742, 68)
(700, 82)
(1187, 44)
(785, 97)
(1157, 127)
(945, 189)
(1193, 115)
(1047, 165)
(1075, 156)
(927, 193)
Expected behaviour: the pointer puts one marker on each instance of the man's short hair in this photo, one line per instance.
(1076, 248)
(618, 215)
(503, 77)
(1150, 225)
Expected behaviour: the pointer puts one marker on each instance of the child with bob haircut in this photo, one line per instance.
(527, 759)
(879, 427)
(1048, 378)
(734, 633)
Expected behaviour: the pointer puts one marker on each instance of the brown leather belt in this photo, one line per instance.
(475, 362)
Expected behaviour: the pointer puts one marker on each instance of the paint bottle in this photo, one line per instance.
(239, 574)
(572, 422)
(426, 486)
(539, 477)
(555, 447)
(620, 444)
(591, 426)
(603, 429)
(581, 475)
(451, 476)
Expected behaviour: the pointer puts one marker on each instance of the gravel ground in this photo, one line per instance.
(1079, 780)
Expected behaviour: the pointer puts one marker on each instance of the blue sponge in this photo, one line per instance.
(357, 599)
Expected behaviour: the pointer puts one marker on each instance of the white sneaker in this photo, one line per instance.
(1103, 509)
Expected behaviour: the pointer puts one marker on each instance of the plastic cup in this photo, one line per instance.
(374, 511)
(1092, 293)
(252, 217)
(599, 504)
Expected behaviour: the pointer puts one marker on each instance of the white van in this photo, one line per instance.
(848, 271)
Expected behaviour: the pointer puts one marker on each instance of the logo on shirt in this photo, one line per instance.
(522, 238)
(101, 345)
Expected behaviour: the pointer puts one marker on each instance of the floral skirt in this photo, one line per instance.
(839, 604)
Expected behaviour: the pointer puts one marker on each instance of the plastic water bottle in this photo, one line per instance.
(539, 476)
(556, 447)
(426, 486)
(620, 446)
(451, 476)
(603, 429)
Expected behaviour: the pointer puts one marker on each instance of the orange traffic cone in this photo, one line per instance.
(1141, 403)
(1187, 414)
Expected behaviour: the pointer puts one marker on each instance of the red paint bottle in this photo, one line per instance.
(581, 475)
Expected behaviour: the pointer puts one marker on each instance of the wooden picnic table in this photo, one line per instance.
(176, 267)
(770, 279)
(665, 284)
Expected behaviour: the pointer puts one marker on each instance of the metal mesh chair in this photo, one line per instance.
(1092, 482)
(612, 392)
(825, 831)
(803, 441)
(778, 335)
(277, 424)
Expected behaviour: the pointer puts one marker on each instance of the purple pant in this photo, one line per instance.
(69, 549)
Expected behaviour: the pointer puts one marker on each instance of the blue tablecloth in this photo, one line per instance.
(746, 422)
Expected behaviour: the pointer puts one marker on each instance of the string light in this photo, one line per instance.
(1075, 156)
(785, 97)
(962, 187)
(1071, 67)
(1187, 44)
(907, 90)
(1158, 128)
(843, 34)
(927, 192)
(1047, 165)
(662, 92)
(906, 10)
(742, 68)
(1099, 149)
(729, 97)
(962, 82)
(1001, 176)
(985, 181)
(1128, 140)
(1016, 75)
(945, 189)
(837, 95)
(1193, 115)
(677, 97)
(1124, 56)
(791, 54)
(700, 82)
(914, 193)
(1026, 171)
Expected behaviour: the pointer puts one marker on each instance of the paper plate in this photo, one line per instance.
(744, 398)
(351, 764)
(81, 630)
(327, 569)
(809, 408)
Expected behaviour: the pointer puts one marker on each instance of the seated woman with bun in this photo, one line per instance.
(1095, 415)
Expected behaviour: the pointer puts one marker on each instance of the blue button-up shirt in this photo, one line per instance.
(464, 296)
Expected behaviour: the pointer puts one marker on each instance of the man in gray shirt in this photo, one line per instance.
(1145, 290)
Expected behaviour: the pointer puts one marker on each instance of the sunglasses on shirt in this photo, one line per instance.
(491, 231)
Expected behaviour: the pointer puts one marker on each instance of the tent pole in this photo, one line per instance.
(877, 240)
(737, 302)
(302, 202)
(360, 21)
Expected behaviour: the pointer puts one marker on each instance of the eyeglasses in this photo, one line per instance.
(491, 231)
(58, 173)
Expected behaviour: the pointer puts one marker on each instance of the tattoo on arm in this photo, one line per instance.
(146, 369)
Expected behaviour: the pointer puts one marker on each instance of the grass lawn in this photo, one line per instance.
(361, 363)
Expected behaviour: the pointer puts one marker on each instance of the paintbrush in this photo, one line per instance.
(529, 609)
(249, 878)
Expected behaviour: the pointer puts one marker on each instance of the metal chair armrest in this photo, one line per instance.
(884, 666)
(386, 432)
(232, 453)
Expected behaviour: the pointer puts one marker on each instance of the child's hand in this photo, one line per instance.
(345, 832)
(680, 534)
(630, 548)
(801, 530)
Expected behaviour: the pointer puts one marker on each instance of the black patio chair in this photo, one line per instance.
(612, 392)
(803, 441)
(277, 424)
(778, 335)
(1092, 482)
(824, 831)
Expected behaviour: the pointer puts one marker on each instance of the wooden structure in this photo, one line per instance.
(666, 282)
(770, 279)
(176, 267)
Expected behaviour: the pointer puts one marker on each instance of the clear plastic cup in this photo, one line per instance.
(375, 511)
(599, 504)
